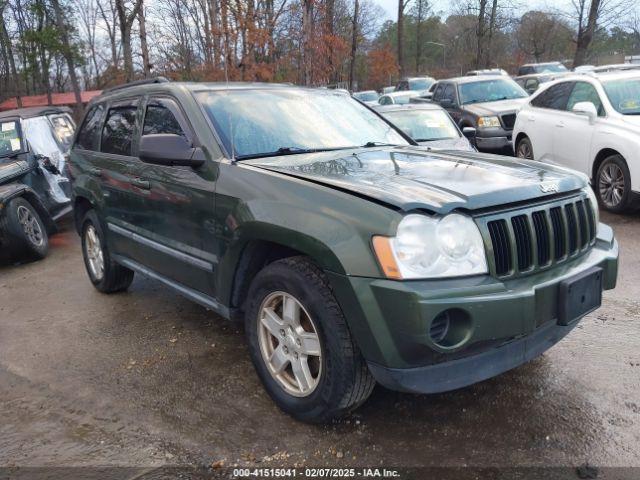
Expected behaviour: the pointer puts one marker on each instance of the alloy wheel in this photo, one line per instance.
(289, 344)
(30, 226)
(611, 185)
(95, 256)
(524, 151)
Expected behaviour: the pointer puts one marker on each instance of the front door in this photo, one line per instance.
(180, 206)
(572, 138)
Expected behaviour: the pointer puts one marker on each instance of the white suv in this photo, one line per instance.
(590, 123)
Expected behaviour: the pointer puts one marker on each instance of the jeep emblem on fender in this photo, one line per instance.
(550, 187)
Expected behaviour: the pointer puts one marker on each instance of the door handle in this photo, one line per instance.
(138, 182)
(560, 124)
(94, 172)
(531, 118)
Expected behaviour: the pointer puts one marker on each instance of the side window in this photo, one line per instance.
(119, 129)
(449, 93)
(385, 101)
(555, 97)
(161, 117)
(437, 94)
(585, 92)
(531, 85)
(89, 132)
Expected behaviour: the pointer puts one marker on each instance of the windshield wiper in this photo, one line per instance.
(286, 151)
(379, 144)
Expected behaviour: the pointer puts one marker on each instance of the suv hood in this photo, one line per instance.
(495, 108)
(409, 178)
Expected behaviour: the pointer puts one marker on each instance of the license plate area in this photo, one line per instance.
(579, 295)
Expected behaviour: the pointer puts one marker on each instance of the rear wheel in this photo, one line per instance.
(524, 149)
(26, 232)
(613, 184)
(106, 275)
(300, 344)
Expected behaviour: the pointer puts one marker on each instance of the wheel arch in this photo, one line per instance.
(23, 191)
(81, 205)
(519, 137)
(600, 157)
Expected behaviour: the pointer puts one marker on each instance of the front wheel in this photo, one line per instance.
(524, 149)
(300, 344)
(613, 185)
(26, 232)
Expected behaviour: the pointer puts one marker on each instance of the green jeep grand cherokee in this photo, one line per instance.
(353, 255)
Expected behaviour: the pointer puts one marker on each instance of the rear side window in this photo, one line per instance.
(90, 130)
(449, 93)
(555, 97)
(525, 70)
(119, 129)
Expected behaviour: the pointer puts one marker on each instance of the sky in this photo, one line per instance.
(443, 7)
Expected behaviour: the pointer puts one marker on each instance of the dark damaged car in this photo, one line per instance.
(34, 192)
(352, 255)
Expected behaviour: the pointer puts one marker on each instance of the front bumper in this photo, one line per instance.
(510, 321)
(493, 139)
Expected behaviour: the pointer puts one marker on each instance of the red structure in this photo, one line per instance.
(58, 99)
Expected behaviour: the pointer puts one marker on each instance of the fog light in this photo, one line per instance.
(451, 328)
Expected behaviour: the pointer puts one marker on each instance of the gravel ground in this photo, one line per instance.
(146, 378)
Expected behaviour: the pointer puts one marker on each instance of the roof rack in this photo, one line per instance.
(145, 81)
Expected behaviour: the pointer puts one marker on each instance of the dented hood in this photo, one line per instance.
(440, 181)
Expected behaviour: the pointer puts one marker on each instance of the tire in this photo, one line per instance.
(524, 149)
(26, 234)
(339, 379)
(106, 275)
(613, 185)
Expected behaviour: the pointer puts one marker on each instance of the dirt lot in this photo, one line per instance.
(147, 378)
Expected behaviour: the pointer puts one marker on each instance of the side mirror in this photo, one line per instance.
(469, 132)
(169, 149)
(587, 109)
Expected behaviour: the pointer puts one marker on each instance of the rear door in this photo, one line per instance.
(124, 200)
(541, 119)
(179, 205)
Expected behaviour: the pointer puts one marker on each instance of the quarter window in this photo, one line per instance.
(554, 97)
(585, 92)
(118, 131)
(90, 130)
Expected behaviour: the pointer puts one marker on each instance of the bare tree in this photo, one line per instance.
(67, 51)
(402, 5)
(354, 44)
(110, 19)
(146, 64)
(8, 52)
(126, 18)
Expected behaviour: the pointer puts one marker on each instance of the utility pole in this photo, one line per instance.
(444, 52)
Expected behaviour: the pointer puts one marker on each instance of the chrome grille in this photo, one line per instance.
(534, 238)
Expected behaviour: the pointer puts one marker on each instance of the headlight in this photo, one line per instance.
(487, 122)
(594, 204)
(432, 247)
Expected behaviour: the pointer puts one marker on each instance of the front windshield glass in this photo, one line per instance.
(10, 141)
(366, 96)
(624, 95)
(420, 84)
(265, 121)
(553, 67)
(424, 125)
(490, 91)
